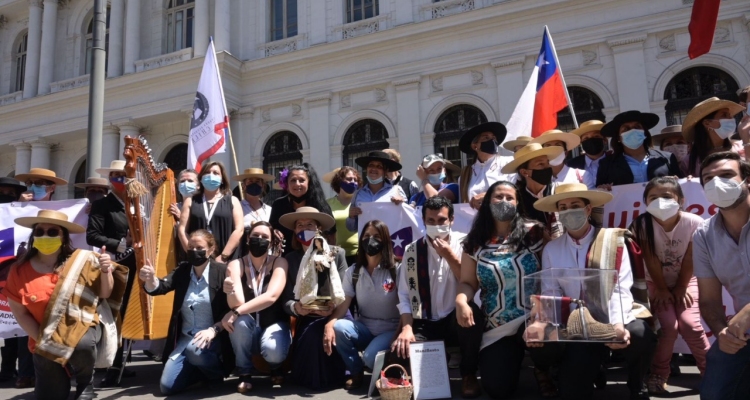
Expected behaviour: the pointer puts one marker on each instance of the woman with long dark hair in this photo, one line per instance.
(480, 144)
(371, 282)
(708, 128)
(304, 190)
(501, 243)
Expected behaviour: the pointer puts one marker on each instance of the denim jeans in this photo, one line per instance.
(249, 338)
(54, 379)
(353, 336)
(727, 376)
(192, 366)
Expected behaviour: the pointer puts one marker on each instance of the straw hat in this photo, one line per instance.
(572, 190)
(612, 128)
(116, 165)
(452, 167)
(571, 141)
(94, 182)
(253, 173)
(328, 177)
(379, 156)
(289, 219)
(668, 132)
(496, 128)
(528, 152)
(701, 110)
(588, 126)
(510, 145)
(41, 173)
(50, 217)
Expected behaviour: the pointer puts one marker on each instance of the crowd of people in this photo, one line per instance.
(305, 290)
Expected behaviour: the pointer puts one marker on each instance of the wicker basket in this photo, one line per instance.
(396, 393)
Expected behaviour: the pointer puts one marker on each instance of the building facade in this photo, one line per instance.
(324, 81)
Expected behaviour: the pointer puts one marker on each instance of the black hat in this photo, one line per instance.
(498, 129)
(14, 183)
(612, 128)
(381, 156)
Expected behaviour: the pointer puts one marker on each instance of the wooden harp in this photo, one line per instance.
(150, 191)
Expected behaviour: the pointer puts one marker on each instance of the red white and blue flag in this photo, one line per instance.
(209, 126)
(545, 95)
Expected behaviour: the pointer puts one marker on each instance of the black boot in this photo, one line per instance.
(85, 392)
(111, 378)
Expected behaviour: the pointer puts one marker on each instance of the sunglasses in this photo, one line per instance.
(51, 232)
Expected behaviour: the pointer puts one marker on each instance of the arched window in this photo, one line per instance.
(449, 128)
(281, 151)
(357, 10)
(587, 106)
(80, 178)
(176, 158)
(283, 19)
(361, 138)
(180, 24)
(694, 85)
(90, 43)
(20, 59)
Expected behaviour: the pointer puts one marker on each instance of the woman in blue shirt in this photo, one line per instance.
(432, 175)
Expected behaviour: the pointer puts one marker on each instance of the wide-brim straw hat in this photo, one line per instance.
(12, 182)
(253, 173)
(588, 126)
(288, 220)
(116, 165)
(50, 217)
(647, 120)
(328, 176)
(670, 131)
(597, 198)
(94, 182)
(380, 156)
(530, 152)
(510, 145)
(704, 108)
(571, 141)
(41, 173)
(498, 129)
(455, 169)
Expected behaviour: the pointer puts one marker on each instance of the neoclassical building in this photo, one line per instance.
(325, 80)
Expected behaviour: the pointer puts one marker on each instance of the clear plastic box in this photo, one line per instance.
(573, 305)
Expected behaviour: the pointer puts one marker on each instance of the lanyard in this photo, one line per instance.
(254, 284)
(210, 213)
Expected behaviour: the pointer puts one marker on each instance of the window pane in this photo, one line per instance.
(189, 29)
(170, 33)
(178, 30)
(291, 18)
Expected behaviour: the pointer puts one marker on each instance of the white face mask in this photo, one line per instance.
(438, 231)
(727, 128)
(573, 219)
(663, 209)
(557, 160)
(723, 192)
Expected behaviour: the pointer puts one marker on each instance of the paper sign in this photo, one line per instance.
(376, 368)
(429, 371)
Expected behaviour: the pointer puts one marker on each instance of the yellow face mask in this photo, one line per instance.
(47, 245)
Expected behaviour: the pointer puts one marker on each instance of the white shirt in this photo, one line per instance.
(253, 216)
(566, 252)
(443, 284)
(592, 168)
(569, 175)
(487, 173)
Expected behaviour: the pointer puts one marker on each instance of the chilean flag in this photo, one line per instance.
(702, 26)
(545, 95)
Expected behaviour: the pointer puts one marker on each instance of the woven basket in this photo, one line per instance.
(396, 393)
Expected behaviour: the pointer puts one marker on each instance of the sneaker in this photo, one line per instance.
(657, 384)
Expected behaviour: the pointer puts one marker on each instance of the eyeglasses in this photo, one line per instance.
(51, 232)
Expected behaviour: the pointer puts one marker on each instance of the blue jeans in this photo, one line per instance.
(192, 366)
(353, 336)
(249, 338)
(727, 376)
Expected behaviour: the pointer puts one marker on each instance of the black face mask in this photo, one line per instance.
(503, 211)
(593, 146)
(542, 176)
(6, 198)
(299, 199)
(196, 257)
(372, 246)
(488, 146)
(254, 189)
(259, 246)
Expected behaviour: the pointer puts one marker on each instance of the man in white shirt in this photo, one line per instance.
(577, 248)
(427, 293)
(595, 145)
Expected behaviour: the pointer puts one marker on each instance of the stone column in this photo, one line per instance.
(200, 40)
(222, 18)
(39, 153)
(243, 136)
(110, 145)
(47, 55)
(31, 79)
(408, 122)
(132, 35)
(114, 54)
(318, 109)
(510, 85)
(318, 31)
(630, 72)
(23, 157)
(126, 129)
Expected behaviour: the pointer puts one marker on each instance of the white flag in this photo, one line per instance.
(210, 122)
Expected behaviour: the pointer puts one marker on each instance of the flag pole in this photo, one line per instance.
(562, 77)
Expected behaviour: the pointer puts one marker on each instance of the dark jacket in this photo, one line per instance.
(614, 168)
(107, 223)
(578, 162)
(178, 281)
